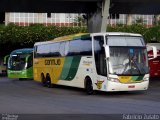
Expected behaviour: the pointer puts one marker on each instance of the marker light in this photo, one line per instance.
(146, 78)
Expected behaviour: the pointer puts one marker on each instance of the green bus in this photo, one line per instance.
(20, 64)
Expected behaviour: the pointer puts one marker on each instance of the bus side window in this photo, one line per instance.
(62, 49)
(66, 48)
(81, 47)
(74, 48)
(54, 50)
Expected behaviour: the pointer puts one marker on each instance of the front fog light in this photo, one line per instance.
(113, 80)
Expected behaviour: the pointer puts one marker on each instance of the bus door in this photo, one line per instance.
(100, 61)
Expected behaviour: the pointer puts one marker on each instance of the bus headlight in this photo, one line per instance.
(146, 78)
(26, 65)
(113, 79)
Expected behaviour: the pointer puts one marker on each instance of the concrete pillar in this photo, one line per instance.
(105, 15)
(97, 22)
(7, 17)
(129, 19)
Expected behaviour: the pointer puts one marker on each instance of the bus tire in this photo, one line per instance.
(43, 80)
(89, 86)
(48, 81)
(21, 79)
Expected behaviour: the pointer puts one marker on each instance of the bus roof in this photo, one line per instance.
(116, 34)
(71, 37)
(83, 35)
(22, 51)
(65, 38)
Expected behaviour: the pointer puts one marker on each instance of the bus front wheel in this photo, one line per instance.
(21, 79)
(43, 80)
(89, 86)
(48, 81)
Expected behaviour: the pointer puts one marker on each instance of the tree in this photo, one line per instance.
(80, 21)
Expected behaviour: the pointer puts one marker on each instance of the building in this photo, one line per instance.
(26, 19)
(61, 19)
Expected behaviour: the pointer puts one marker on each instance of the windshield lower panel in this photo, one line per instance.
(128, 61)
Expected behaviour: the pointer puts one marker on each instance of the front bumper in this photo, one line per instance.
(114, 86)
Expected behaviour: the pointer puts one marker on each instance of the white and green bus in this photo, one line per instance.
(111, 61)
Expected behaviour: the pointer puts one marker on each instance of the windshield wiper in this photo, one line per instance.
(138, 69)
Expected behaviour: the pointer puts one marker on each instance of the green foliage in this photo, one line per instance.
(80, 21)
(151, 34)
(13, 36)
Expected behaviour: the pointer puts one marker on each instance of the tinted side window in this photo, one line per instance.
(47, 50)
(67, 48)
(86, 48)
(62, 49)
(43, 50)
(74, 48)
(54, 49)
(80, 47)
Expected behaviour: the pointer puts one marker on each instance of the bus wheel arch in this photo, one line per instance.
(48, 81)
(88, 85)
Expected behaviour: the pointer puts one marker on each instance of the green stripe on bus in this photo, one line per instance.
(140, 78)
(74, 67)
(137, 78)
(30, 72)
(66, 67)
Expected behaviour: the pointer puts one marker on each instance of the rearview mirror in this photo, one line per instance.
(153, 51)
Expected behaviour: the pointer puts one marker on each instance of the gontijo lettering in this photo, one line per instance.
(53, 62)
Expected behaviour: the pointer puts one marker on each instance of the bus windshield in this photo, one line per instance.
(128, 61)
(17, 62)
(128, 56)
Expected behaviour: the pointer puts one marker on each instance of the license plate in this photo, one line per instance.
(131, 86)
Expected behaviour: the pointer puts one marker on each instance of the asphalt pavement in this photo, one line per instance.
(28, 97)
